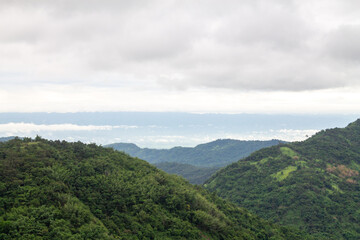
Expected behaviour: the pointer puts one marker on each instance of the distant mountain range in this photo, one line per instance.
(218, 153)
(313, 185)
(4, 139)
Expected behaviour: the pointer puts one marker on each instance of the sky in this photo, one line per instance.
(244, 56)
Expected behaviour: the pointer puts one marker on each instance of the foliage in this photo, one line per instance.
(313, 185)
(60, 190)
(194, 174)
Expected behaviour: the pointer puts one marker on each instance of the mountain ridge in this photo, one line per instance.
(217, 153)
(312, 184)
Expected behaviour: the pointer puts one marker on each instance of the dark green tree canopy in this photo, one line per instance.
(313, 185)
(61, 190)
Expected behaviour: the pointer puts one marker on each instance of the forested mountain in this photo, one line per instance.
(194, 174)
(213, 154)
(312, 184)
(60, 190)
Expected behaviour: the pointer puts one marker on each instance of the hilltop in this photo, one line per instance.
(313, 185)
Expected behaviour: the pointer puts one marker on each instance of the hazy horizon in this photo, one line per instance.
(166, 130)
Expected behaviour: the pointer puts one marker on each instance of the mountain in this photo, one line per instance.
(4, 139)
(218, 153)
(194, 174)
(60, 190)
(313, 185)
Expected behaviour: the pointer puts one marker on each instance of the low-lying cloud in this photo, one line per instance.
(25, 129)
(168, 141)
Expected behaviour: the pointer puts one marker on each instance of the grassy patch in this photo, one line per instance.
(288, 152)
(336, 188)
(330, 191)
(264, 160)
(281, 175)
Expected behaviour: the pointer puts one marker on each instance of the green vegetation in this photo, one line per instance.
(312, 185)
(218, 153)
(284, 173)
(59, 190)
(194, 174)
(288, 152)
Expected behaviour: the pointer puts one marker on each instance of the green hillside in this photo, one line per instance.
(194, 174)
(60, 190)
(218, 153)
(313, 185)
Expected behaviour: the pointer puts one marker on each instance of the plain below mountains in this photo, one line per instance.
(313, 185)
(60, 190)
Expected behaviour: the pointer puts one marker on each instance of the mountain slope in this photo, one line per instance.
(213, 154)
(60, 190)
(313, 184)
(194, 174)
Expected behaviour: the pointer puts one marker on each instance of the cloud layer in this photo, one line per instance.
(104, 134)
(157, 46)
(21, 129)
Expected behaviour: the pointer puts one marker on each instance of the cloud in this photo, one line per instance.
(80, 99)
(282, 134)
(343, 43)
(20, 129)
(167, 141)
(157, 46)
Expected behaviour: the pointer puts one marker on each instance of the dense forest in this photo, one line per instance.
(194, 174)
(61, 190)
(218, 153)
(313, 185)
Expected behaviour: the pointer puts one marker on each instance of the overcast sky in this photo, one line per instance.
(252, 56)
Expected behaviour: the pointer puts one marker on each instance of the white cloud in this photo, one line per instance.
(168, 141)
(76, 99)
(171, 50)
(343, 43)
(21, 129)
